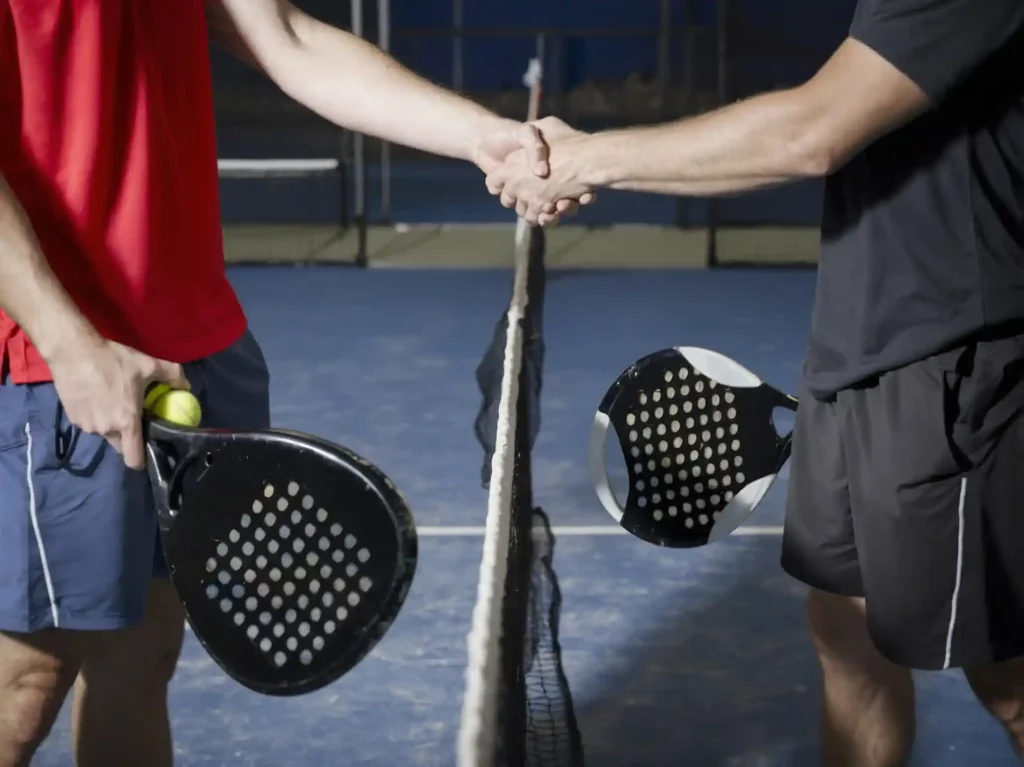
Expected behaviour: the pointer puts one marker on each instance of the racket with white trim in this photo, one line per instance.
(291, 555)
(700, 444)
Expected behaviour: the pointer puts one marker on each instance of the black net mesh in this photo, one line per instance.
(536, 725)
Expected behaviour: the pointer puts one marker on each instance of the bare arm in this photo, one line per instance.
(29, 291)
(783, 136)
(352, 83)
(787, 135)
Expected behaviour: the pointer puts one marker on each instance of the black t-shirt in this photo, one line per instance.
(923, 231)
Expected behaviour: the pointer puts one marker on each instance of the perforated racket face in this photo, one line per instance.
(699, 442)
(291, 564)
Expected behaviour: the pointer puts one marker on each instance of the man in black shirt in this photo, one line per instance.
(906, 498)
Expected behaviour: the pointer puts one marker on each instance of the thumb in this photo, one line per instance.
(170, 373)
(536, 149)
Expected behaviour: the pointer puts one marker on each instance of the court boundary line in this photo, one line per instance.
(569, 531)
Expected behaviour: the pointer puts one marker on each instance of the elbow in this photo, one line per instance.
(813, 156)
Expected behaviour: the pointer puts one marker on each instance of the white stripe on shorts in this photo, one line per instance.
(959, 572)
(35, 527)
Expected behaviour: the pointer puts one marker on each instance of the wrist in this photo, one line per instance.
(480, 131)
(62, 334)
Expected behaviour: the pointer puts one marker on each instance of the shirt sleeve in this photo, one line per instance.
(938, 43)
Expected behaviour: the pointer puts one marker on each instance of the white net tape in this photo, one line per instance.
(480, 705)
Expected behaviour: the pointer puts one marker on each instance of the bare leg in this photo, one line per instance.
(868, 709)
(120, 716)
(36, 672)
(1000, 688)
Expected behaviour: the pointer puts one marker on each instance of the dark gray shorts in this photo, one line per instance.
(78, 539)
(909, 491)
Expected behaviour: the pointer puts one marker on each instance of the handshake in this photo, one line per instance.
(535, 169)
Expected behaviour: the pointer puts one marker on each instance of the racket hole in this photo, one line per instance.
(251, 604)
(238, 591)
(318, 643)
(265, 618)
(310, 530)
(325, 572)
(353, 599)
(303, 629)
(328, 599)
(341, 613)
(225, 605)
(208, 460)
(315, 613)
(335, 529)
(324, 544)
(257, 507)
(280, 659)
(282, 504)
(278, 630)
(365, 584)
(329, 627)
(292, 644)
(307, 502)
(351, 570)
(296, 517)
(211, 565)
(337, 555)
(268, 491)
(302, 601)
(290, 616)
(298, 545)
(321, 515)
(312, 559)
(212, 591)
(224, 577)
(339, 585)
(300, 572)
(314, 587)
(293, 488)
(305, 657)
(252, 632)
(265, 644)
(287, 560)
(288, 588)
(239, 619)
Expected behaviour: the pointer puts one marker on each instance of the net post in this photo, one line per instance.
(384, 40)
(359, 161)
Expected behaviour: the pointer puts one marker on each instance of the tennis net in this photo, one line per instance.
(517, 709)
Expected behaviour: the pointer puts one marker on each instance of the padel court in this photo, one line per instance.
(673, 657)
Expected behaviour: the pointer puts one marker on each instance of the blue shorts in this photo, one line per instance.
(79, 539)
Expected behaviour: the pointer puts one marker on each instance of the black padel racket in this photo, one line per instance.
(700, 445)
(292, 556)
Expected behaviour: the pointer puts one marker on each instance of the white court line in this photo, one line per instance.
(455, 531)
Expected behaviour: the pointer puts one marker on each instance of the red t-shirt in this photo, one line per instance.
(107, 138)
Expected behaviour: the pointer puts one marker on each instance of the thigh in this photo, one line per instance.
(76, 526)
(934, 472)
(818, 546)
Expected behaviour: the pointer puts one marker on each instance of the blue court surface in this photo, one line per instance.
(674, 657)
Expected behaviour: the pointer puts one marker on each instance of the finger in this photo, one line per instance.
(494, 184)
(587, 197)
(536, 149)
(567, 208)
(170, 373)
(131, 445)
(522, 208)
(547, 220)
(507, 199)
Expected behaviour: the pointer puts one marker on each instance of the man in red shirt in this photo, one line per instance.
(112, 277)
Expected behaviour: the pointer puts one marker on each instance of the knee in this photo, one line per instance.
(838, 627)
(30, 699)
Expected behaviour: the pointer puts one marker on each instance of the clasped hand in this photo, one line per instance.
(539, 182)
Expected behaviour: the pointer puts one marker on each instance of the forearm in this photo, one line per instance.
(763, 141)
(356, 85)
(29, 291)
